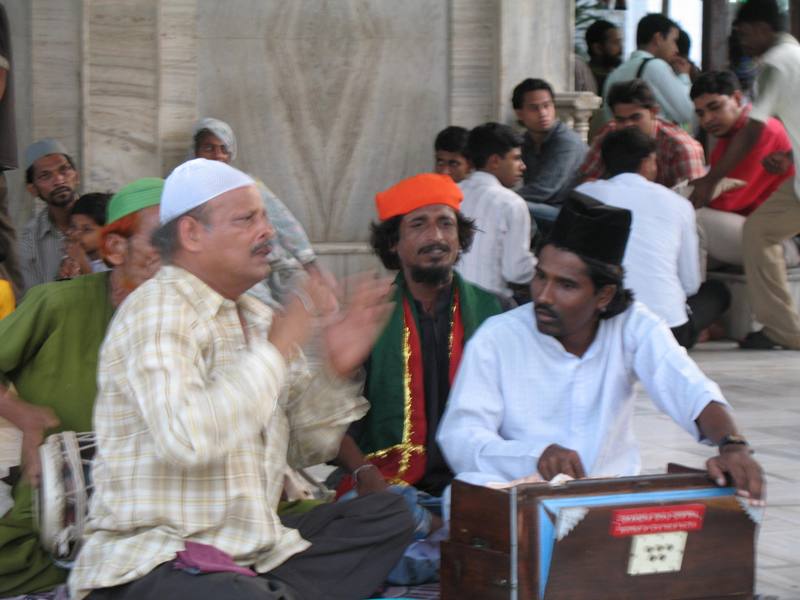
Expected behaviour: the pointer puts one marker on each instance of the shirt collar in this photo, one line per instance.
(623, 177)
(485, 178)
(642, 54)
(787, 38)
(741, 121)
(205, 300)
(557, 125)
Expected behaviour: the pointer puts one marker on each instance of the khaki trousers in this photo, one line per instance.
(762, 236)
(721, 239)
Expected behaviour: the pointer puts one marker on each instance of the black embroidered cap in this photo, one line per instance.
(592, 229)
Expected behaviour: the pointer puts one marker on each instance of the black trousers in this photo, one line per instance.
(705, 307)
(354, 545)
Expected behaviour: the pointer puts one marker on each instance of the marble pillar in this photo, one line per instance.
(331, 101)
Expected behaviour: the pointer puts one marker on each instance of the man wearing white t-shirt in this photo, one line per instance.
(760, 27)
(662, 259)
(500, 255)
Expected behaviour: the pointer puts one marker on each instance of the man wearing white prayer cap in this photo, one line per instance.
(204, 398)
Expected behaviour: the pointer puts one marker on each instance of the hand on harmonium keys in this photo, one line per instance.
(737, 461)
(556, 459)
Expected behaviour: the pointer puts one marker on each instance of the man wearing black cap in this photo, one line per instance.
(550, 390)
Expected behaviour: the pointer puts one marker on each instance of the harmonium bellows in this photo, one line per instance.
(674, 536)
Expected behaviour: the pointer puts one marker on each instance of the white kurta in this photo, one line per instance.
(662, 258)
(518, 391)
(500, 252)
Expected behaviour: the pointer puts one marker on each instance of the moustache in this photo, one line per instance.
(433, 247)
(60, 191)
(265, 247)
(546, 310)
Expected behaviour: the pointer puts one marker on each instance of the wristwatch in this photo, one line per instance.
(733, 439)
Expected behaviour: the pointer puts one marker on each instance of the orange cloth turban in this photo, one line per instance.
(418, 191)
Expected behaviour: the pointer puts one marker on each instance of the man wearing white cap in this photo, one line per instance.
(199, 410)
(50, 175)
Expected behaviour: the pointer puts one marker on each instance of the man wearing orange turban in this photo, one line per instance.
(421, 234)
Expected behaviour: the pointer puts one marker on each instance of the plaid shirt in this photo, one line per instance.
(195, 423)
(678, 155)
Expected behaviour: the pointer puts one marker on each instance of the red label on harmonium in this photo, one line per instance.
(657, 519)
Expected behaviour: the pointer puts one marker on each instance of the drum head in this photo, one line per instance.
(61, 502)
(50, 501)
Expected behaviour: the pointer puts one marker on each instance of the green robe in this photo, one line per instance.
(49, 350)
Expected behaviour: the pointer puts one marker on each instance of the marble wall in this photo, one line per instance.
(331, 100)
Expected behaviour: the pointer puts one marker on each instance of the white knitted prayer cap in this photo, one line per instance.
(195, 182)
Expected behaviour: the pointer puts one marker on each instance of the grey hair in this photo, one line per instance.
(165, 238)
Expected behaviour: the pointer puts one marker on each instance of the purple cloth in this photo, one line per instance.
(202, 558)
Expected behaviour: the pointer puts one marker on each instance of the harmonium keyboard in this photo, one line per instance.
(661, 537)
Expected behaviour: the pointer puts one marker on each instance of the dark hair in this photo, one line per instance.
(92, 205)
(596, 33)
(29, 171)
(451, 139)
(634, 91)
(762, 11)
(623, 150)
(386, 234)
(603, 274)
(651, 24)
(529, 85)
(684, 43)
(715, 82)
(165, 238)
(489, 139)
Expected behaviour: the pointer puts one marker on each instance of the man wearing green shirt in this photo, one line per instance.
(49, 352)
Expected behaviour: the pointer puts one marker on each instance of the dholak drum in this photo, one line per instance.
(62, 500)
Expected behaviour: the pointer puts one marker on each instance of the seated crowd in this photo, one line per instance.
(169, 319)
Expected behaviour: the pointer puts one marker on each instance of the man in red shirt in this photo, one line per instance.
(679, 157)
(722, 111)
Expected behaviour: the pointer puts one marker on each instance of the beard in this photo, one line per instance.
(61, 196)
(611, 62)
(438, 275)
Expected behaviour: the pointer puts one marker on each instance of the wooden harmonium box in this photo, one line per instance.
(673, 536)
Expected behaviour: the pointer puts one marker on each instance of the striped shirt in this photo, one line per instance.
(196, 421)
(41, 250)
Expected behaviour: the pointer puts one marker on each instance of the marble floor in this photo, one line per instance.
(764, 390)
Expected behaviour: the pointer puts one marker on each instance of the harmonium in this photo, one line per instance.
(673, 536)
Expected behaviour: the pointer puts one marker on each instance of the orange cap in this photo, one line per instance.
(418, 191)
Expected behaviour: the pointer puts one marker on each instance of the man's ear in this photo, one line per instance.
(737, 96)
(189, 233)
(32, 190)
(605, 296)
(491, 162)
(114, 249)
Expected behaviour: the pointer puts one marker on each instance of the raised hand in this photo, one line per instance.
(348, 339)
